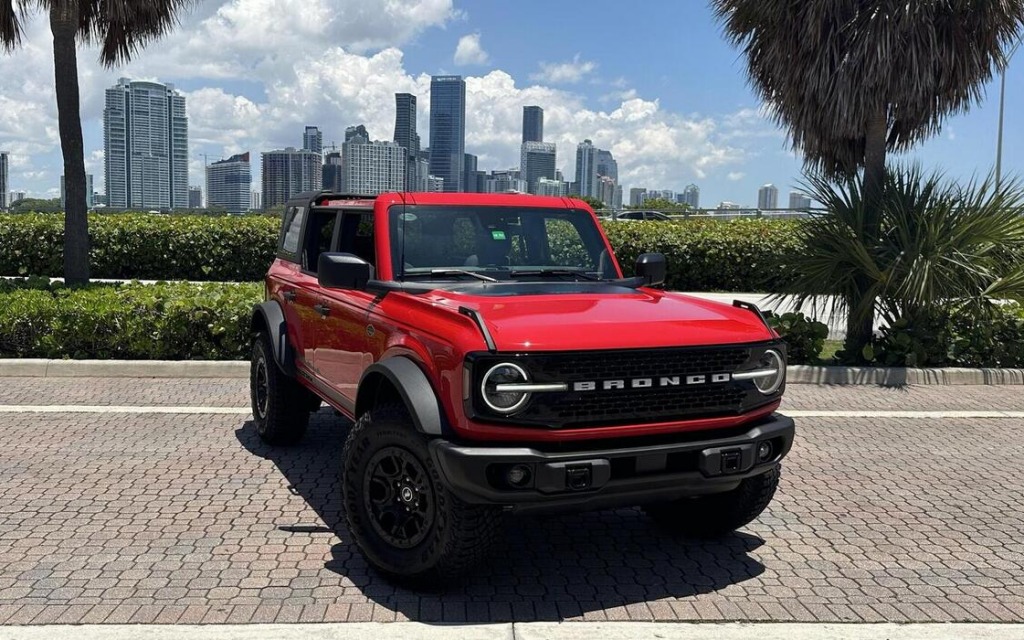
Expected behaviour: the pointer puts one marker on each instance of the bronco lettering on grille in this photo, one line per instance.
(648, 383)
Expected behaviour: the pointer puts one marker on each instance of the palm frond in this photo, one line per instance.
(825, 69)
(121, 27)
(12, 17)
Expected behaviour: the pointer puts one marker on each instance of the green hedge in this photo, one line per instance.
(712, 255)
(703, 255)
(165, 321)
(144, 246)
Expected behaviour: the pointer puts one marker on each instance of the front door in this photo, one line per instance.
(346, 337)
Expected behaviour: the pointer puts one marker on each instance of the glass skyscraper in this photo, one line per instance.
(406, 136)
(145, 140)
(448, 130)
(228, 184)
(533, 124)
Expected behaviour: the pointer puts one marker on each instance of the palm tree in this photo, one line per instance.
(120, 27)
(854, 79)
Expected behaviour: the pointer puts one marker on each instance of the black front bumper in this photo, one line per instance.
(605, 478)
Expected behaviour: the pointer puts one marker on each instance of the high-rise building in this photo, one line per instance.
(448, 129)
(89, 202)
(435, 183)
(422, 173)
(637, 195)
(195, 197)
(229, 183)
(691, 196)
(536, 161)
(469, 163)
(313, 139)
(504, 182)
(768, 197)
(254, 201)
(4, 159)
(799, 200)
(586, 169)
(289, 172)
(606, 165)
(356, 130)
(14, 196)
(406, 136)
(372, 167)
(533, 124)
(549, 187)
(332, 174)
(145, 142)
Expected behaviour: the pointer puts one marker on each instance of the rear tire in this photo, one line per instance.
(401, 515)
(718, 514)
(280, 405)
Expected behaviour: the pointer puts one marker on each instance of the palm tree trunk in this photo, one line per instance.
(64, 25)
(859, 330)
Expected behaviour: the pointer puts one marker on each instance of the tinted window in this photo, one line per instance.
(357, 235)
(319, 237)
(293, 218)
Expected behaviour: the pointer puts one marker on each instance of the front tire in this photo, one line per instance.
(280, 405)
(401, 515)
(718, 514)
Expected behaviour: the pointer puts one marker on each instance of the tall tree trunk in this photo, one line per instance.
(859, 329)
(64, 25)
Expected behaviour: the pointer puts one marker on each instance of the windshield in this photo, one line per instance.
(496, 243)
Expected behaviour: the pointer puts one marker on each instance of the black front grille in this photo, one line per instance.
(591, 365)
(613, 406)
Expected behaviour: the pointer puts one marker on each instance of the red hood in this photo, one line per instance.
(578, 321)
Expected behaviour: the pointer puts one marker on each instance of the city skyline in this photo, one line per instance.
(253, 77)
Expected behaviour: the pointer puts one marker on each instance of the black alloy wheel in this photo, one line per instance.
(399, 497)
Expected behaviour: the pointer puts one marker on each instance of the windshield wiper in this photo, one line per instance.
(553, 272)
(441, 273)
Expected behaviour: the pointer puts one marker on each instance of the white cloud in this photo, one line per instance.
(564, 72)
(469, 51)
(256, 71)
(736, 176)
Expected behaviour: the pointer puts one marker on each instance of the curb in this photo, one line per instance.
(33, 368)
(900, 376)
(525, 631)
(795, 374)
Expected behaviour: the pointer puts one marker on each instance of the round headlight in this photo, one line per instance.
(768, 385)
(504, 401)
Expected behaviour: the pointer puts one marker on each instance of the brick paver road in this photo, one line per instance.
(108, 517)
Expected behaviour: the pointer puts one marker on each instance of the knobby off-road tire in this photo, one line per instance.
(401, 515)
(280, 405)
(718, 514)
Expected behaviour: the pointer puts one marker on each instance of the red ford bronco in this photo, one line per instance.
(494, 358)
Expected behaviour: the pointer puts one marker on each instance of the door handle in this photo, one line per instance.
(322, 309)
(289, 295)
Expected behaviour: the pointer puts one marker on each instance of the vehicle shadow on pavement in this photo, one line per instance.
(541, 568)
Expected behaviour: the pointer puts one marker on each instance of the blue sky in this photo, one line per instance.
(653, 81)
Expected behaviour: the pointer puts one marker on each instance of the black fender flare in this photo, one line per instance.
(413, 387)
(269, 316)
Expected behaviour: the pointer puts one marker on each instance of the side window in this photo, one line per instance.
(319, 236)
(292, 229)
(357, 235)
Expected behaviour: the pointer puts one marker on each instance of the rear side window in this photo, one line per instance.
(291, 229)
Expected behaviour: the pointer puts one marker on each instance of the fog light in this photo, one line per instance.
(518, 475)
(764, 451)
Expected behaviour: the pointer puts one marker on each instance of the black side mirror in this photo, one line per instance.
(651, 267)
(342, 271)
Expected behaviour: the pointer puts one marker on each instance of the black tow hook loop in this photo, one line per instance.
(579, 477)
